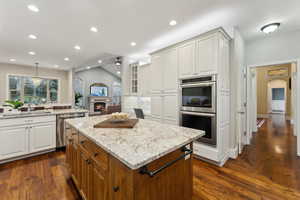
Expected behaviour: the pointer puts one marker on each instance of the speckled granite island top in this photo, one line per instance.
(139, 146)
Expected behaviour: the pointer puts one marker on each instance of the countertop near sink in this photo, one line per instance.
(136, 147)
(43, 113)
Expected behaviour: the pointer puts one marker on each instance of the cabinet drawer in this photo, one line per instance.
(85, 144)
(26, 120)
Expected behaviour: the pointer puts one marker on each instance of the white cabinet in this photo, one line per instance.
(170, 71)
(14, 142)
(156, 74)
(156, 107)
(186, 59)
(24, 136)
(144, 80)
(170, 107)
(42, 137)
(207, 55)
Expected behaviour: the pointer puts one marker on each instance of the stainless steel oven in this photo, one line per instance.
(201, 121)
(199, 94)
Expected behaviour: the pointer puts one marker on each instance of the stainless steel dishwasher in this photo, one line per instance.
(60, 127)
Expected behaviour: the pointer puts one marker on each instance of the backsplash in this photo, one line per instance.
(131, 102)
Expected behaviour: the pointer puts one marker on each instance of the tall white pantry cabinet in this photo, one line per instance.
(204, 55)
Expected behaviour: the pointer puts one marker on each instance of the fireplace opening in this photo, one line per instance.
(99, 106)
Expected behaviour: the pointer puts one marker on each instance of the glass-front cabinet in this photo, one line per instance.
(33, 89)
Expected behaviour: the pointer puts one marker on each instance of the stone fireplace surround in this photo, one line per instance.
(98, 104)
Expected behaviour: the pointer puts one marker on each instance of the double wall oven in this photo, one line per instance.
(198, 106)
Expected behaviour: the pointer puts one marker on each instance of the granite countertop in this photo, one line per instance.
(139, 146)
(46, 112)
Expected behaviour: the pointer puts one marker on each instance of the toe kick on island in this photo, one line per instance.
(100, 174)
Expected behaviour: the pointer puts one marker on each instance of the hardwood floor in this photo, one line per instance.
(268, 169)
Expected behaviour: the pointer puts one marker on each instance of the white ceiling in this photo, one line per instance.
(60, 25)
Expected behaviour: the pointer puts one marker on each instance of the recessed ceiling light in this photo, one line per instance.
(66, 59)
(172, 23)
(133, 44)
(77, 47)
(99, 61)
(12, 60)
(118, 72)
(56, 66)
(31, 53)
(94, 29)
(33, 8)
(269, 28)
(88, 67)
(31, 36)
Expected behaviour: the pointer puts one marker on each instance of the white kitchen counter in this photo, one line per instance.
(136, 147)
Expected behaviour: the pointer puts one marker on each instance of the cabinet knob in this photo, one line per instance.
(96, 154)
(82, 142)
(116, 188)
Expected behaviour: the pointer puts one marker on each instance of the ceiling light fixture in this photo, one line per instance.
(31, 53)
(270, 28)
(172, 23)
(133, 44)
(118, 61)
(31, 36)
(77, 47)
(94, 29)
(12, 60)
(66, 59)
(33, 8)
(99, 61)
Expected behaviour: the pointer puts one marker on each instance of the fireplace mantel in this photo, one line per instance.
(95, 102)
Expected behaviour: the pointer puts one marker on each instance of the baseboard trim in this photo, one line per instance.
(224, 160)
(233, 153)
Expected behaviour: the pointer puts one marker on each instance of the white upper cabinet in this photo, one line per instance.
(206, 54)
(156, 74)
(186, 59)
(156, 106)
(144, 80)
(170, 71)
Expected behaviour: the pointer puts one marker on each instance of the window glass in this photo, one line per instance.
(53, 90)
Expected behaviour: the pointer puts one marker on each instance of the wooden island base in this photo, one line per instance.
(99, 176)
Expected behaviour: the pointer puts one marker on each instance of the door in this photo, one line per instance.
(42, 137)
(156, 107)
(207, 54)
(186, 59)
(14, 142)
(170, 69)
(99, 186)
(170, 108)
(156, 74)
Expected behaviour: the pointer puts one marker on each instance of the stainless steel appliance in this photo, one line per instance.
(201, 121)
(60, 127)
(198, 106)
(199, 94)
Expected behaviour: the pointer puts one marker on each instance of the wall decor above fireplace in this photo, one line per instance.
(99, 90)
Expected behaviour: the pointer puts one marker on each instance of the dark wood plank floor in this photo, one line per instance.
(267, 169)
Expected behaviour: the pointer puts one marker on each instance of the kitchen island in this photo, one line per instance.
(151, 161)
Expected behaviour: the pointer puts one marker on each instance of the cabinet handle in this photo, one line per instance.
(88, 161)
(81, 142)
(96, 154)
(116, 188)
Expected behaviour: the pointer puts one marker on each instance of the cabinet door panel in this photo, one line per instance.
(156, 106)
(170, 107)
(156, 74)
(170, 71)
(186, 59)
(206, 54)
(14, 142)
(99, 185)
(42, 137)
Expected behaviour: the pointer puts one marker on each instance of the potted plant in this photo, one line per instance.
(15, 104)
(78, 96)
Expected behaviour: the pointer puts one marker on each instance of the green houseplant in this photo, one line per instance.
(78, 96)
(15, 104)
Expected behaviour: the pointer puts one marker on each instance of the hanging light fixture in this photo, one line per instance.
(118, 61)
(36, 79)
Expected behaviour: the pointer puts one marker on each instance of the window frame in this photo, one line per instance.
(32, 76)
(132, 79)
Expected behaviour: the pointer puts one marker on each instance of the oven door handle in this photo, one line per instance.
(198, 84)
(198, 114)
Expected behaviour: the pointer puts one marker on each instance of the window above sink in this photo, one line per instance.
(33, 90)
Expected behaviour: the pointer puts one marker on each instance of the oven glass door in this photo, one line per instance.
(198, 97)
(201, 121)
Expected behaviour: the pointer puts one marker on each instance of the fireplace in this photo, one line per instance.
(98, 105)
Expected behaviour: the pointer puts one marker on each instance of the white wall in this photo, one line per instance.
(279, 47)
(96, 75)
(63, 76)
